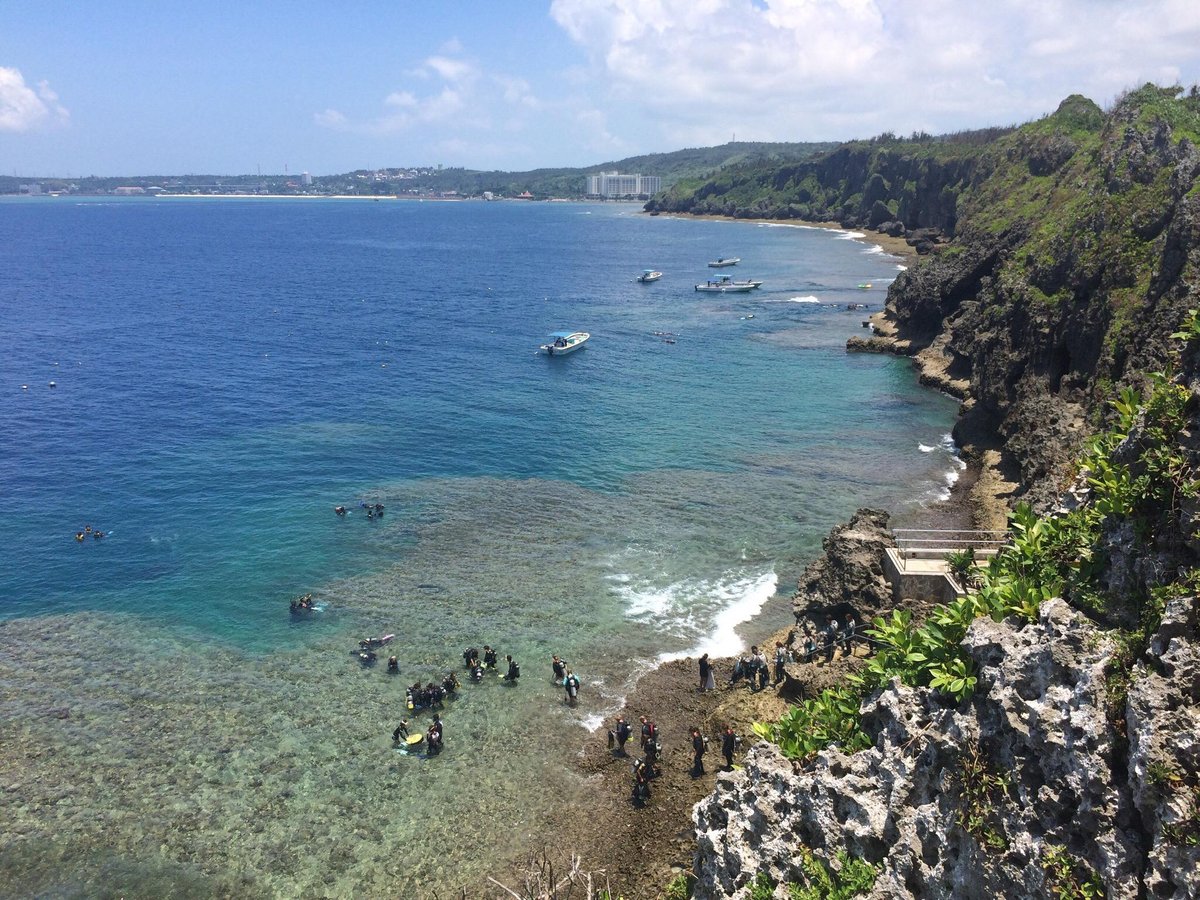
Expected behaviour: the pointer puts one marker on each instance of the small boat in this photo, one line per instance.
(563, 342)
(753, 282)
(721, 262)
(724, 284)
(649, 275)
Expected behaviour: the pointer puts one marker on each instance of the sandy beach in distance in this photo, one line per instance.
(896, 246)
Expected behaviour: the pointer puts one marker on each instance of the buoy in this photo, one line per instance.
(52, 384)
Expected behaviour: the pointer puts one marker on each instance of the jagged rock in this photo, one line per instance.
(1037, 724)
(1163, 713)
(848, 577)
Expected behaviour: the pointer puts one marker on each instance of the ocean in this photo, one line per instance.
(204, 380)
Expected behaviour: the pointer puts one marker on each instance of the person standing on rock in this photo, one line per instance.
(780, 660)
(698, 749)
(649, 732)
(728, 745)
(620, 734)
(848, 636)
(707, 681)
(809, 649)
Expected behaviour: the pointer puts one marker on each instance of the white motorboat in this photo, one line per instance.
(564, 342)
(721, 262)
(724, 284)
(649, 275)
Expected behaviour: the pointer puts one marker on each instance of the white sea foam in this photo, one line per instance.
(874, 248)
(738, 601)
(925, 448)
(902, 267)
(807, 298)
(849, 235)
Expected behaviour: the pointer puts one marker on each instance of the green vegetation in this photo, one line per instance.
(981, 793)
(850, 877)
(1069, 878)
(809, 727)
(678, 889)
(1139, 477)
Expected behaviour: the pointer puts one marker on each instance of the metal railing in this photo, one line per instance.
(933, 543)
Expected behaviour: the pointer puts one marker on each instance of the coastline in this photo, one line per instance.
(893, 246)
(618, 839)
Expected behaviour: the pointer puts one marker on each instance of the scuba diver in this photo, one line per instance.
(450, 684)
(434, 736)
(470, 657)
(393, 666)
(379, 509)
(560, 668)
(489, 657)
(698, 750)
(401, 731)
(514, 671)
(641, 783)
(339, 510)
(619, 735)
(571, 685)
(649, 732)
(729, 742)
(367, 657)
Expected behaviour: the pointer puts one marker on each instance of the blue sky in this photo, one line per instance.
(113, 87)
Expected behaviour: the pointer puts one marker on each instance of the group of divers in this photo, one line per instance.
(432, 695)
(373, 510)
(87, 529)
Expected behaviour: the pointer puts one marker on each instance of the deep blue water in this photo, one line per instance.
(227, 371)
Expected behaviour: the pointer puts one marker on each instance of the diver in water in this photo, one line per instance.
(450, 684)
(470, 657)
(393, 666)
(514, 671)
(560, 668)
(571, 685)
(401, 731)
(434, 736)
(489, 657)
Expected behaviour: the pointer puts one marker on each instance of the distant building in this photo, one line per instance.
(306, 179)
(611, 185)
(31, 189)
(129, 191)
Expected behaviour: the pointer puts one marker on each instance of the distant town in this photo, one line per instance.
(425, 183)
(651, 173)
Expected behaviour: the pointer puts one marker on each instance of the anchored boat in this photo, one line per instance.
(564, 342)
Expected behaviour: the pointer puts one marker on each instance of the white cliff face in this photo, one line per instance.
(1033, 763)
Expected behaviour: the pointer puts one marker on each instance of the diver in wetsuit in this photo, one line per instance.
(514, 671)
(489, 657)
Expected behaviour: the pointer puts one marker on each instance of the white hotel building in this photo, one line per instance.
(611, 185)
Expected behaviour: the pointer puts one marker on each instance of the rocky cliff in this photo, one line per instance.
(1072, 767)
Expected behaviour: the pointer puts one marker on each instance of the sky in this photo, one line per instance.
(128, 87)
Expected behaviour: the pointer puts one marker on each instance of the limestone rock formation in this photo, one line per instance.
(1016, 793)
(848, 577)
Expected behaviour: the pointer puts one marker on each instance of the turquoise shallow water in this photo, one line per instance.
(228, 371)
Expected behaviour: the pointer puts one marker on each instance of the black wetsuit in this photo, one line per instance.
(728, 742)
(698, 751)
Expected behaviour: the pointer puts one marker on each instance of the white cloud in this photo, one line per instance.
(24, 109)
(448, 90)
(809, 69)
